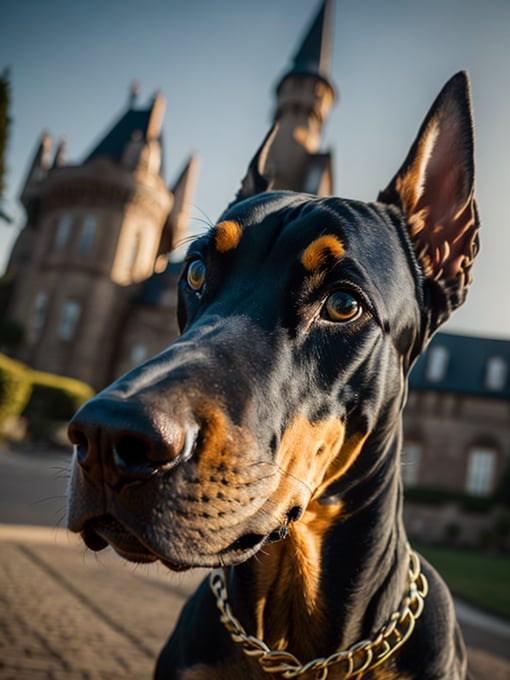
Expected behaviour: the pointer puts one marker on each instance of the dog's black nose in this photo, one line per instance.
(120, 440)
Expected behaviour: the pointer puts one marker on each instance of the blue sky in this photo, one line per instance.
(217, 63)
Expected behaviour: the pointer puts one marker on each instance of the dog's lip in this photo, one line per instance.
(105, 530)
(99, 532)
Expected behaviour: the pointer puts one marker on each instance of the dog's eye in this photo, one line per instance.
(195, 275)
(341, 306)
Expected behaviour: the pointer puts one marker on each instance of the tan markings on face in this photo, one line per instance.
(317, 453)
(219, 494)
(227, 236)
(224, 457)
(351, 448)
(316, 254)
(311, 456)
(289, 611)
(234, 482)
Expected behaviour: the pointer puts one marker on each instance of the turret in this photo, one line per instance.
(134, 140)
(305, 96)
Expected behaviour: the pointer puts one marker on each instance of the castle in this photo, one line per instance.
(91, 284)
(95, 293)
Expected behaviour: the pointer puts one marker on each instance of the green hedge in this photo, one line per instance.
(54, 398)
(43, 399)
(15, 388)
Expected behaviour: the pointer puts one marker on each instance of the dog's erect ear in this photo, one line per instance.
(255, 182)
(435, 189)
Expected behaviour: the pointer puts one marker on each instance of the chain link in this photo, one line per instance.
(361, 657)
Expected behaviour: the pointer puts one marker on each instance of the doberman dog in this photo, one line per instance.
(265, 442)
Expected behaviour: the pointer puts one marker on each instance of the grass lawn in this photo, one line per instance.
(479, 578)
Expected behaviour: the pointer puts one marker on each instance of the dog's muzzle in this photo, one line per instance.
(186, 487)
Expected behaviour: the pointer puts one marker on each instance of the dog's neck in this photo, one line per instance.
(335, 578)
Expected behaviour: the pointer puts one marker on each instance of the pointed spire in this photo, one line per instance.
(314, 54)
(60, 154)
(176, 228)
(183, 191)
(157, 112)
(134, 91)
(42, 155)
(38, 168)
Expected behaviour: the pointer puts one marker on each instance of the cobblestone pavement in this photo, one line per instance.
(67, 614)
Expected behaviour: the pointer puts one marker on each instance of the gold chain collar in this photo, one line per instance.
(362, 656)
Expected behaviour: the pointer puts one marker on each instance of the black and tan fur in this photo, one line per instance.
(267, 438)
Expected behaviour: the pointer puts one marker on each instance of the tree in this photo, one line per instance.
(5, 122)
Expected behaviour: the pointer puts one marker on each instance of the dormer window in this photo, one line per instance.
(496, 374)
(437, 363)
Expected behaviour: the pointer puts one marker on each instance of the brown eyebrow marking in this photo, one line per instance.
(316, 254)
(227, 235)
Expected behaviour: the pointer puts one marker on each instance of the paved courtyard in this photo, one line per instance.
(67, 613)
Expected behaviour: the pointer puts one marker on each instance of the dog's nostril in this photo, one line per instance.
(144, 453)
(131, 450)
(81, 443)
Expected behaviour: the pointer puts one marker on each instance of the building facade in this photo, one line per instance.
(89, 280)
(456, 457)
(92, 287)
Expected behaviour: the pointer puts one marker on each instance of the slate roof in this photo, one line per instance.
(314, 52)
(115, 140)
(467, 363)
(313, 55)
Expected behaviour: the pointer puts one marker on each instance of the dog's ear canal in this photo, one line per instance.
(255, 182)
(435, 189)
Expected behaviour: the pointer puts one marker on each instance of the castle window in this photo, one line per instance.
(480, 472)
(411, 455)
(138, 354)
(68, 320)
(63, 230)
(87, 234)
(437, 363)
(496, 374)
(39, 318)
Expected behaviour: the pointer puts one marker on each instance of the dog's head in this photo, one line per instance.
(300, 319)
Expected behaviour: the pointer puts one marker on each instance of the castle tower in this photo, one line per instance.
(95, 231)
(176, 227)
(305, 96)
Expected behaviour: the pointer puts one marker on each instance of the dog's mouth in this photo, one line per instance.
(102, 531)
(99, 532)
